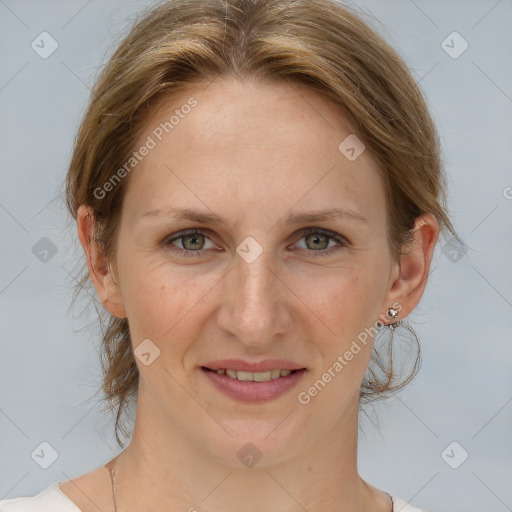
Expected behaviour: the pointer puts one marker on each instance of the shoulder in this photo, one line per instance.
(399, 505)
(51, 499)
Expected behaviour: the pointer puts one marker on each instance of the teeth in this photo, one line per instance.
(247, 375)
(255, 376)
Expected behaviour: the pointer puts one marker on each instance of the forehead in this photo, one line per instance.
(230, 142)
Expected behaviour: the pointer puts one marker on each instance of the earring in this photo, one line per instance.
(393, 313)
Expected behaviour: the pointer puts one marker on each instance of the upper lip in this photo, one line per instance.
(253, 366)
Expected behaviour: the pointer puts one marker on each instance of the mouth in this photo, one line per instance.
(245, 386)
(253, 376)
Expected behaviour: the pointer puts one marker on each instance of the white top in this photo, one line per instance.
(52, 499)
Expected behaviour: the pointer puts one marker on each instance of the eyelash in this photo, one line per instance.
(342, 241)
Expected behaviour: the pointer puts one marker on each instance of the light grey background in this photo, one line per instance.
(49, 367)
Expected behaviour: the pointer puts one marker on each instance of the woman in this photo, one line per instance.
(258, 192)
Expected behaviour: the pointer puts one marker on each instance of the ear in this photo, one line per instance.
(411, 272)
(104, 281)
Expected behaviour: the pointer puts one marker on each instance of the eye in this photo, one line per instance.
(317, 241)
(191, 242)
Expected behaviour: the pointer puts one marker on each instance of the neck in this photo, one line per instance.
(161, 462)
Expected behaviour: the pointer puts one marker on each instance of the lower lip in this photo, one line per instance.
(250, 391)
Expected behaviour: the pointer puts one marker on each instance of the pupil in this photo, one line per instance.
(193, 238)
(318, 237)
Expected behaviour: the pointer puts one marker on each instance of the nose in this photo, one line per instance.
(256, 303)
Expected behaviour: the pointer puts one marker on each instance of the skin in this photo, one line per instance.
(252, 153)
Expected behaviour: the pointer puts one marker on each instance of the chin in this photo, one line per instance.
(253, 443)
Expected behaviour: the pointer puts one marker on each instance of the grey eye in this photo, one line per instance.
(193, 241)
(317, 241)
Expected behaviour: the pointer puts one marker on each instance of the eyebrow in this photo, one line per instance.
(295, 218)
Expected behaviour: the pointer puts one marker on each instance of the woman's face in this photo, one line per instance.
(249, 162)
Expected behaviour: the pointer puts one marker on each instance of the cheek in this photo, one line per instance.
(351, 310)
(352, 302)
(164, 305)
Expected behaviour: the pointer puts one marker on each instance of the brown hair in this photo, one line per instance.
(314, 42)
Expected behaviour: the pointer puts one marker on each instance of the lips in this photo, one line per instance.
(253, 366)
(250, 381)
(254, 376)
